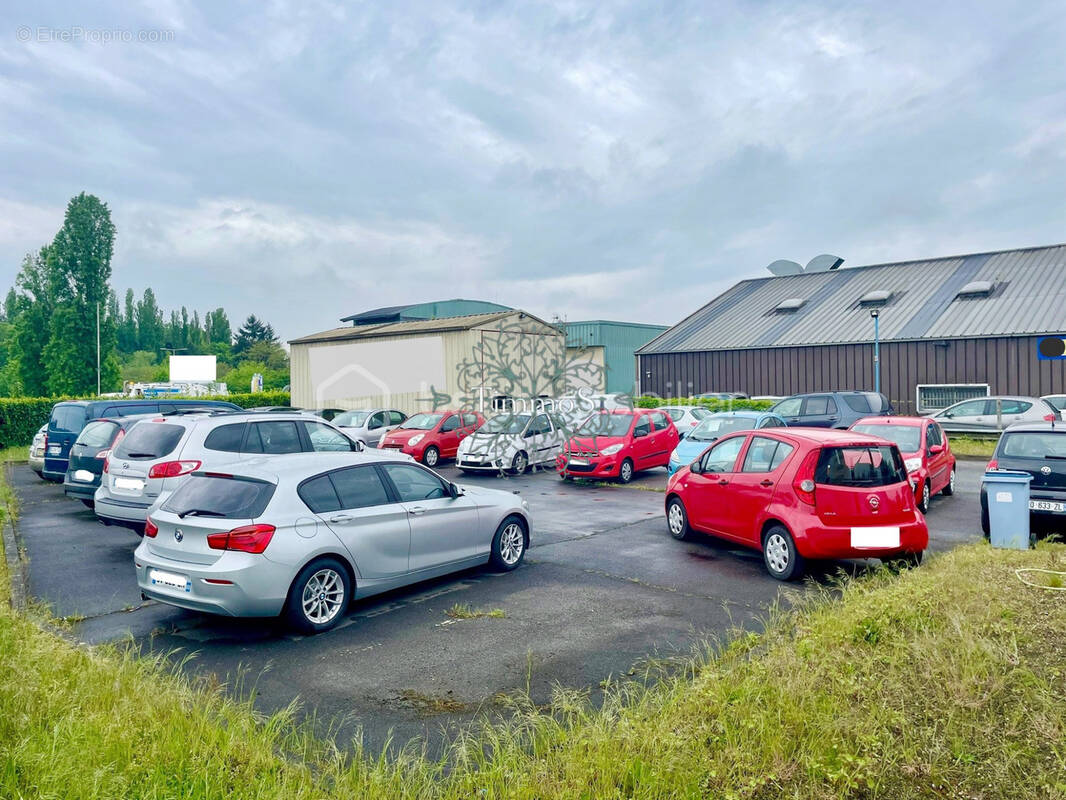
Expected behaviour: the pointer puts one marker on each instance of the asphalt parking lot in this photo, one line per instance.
(603, 590)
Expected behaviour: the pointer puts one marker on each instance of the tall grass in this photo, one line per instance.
(944, 681)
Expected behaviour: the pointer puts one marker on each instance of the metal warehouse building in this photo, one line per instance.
(949, 327)
(431, 355)
(614, 345)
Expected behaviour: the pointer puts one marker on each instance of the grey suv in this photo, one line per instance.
(831, 409)
(156, 455)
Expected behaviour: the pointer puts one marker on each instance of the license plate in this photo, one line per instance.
(132, 484)
(170, 580)
(53, 450)
(875, 537)
(581, 462)
(83, 475)
(1046, 505)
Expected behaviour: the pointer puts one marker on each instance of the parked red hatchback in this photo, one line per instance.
(800, 494)
(618, 444)
(433, 435)
(925, 449)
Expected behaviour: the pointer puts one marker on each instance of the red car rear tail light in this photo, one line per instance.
(104, 453)
(150, 528)
(803, 483)
(993, 464)
(246, 539)
(172, 469)
(107, 461)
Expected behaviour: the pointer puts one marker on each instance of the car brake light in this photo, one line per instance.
(993, 464)
(104, 453)
(107, 461)
(803, 484)
(172, 469)
(246, 539)
(150, 528)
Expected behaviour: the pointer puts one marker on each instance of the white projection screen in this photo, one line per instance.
(382, 368)
(192, 368)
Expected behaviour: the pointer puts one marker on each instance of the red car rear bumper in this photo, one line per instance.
(825, 542)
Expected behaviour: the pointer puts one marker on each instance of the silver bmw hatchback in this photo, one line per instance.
(303, 536)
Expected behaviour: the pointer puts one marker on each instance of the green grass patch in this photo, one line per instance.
(973, 446)
(14, 455)
(943, 681)
(464, 611)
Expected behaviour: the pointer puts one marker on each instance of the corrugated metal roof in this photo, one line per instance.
(434, 309)
(1029, 297)
(416, 327)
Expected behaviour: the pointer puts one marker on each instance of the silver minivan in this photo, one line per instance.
(157, 454)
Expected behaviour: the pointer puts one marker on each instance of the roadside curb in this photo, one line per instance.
(15, 565)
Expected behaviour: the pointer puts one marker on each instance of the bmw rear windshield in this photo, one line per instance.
(222, 496)
(860, 466)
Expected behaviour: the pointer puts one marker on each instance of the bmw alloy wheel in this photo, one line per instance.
(512, 543)
(323, 596)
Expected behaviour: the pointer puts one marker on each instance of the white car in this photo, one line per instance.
(511, 443)
(369, 425)
(686, 417)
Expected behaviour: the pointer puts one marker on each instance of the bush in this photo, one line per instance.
(20, 417)
(647, 401)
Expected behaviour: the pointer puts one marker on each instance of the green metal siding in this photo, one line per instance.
(442, 309)
(620, 341)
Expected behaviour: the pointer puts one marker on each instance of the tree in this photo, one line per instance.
(81, 270)
(149, 323)
(32, 322)
(127, 329)
(253, 330)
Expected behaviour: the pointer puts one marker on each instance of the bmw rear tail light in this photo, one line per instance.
(803, 483)
(246, 539)
(172, 469)
(150, 528)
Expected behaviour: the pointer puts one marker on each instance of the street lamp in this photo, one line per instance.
(877, 350)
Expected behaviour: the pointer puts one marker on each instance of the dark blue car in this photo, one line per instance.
(69, 417)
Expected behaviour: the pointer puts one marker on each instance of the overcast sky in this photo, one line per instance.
(305, 160)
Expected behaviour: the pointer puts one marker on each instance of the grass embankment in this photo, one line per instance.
(972, 446)
(946, 681)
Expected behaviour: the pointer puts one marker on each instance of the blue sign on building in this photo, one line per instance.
(1051, 348)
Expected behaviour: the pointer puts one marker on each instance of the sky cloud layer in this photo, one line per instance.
(305, 161)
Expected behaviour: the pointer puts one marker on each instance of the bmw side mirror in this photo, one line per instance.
(456, 491)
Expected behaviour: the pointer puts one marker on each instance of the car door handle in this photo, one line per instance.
(766, 483)
(341, 518)
(416, 510)
(722, 482)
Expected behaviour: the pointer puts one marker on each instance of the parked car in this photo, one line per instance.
(89, 452)
(926, 453)
(37, 448)
(324, 413)
(512, 442)
(990, 414)
(618, 444)
(799, 494)
(685, 418)
(305, 535)
(157, 454)
(70, 416)
(1038, 448)
(370, 424)
(723, 396)
(1056, 401)
(428, 437)
(831, 409)
(713, 428)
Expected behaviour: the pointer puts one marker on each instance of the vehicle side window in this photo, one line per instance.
(414, 484)
(377, 420)
(932, 436)
(675, 413)
(396, 417)
(723, 456)
(273, 437)
(469, 420)
(319, 495)
(325, 439)
(450, 424)
(780, 455)
(661, 420)
(539, 426)
(643, 427)
(940, 437)
(816, 406)
(971, 408)
(359, 487)
(769, 422)
(858, 402)
(1015, 406)
(760, 454)
(226, 438)
(789, 408)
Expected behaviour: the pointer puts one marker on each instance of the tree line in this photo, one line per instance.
(48, 323)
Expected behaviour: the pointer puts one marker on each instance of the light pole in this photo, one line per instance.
(877, 350)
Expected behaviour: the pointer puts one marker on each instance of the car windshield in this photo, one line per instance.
(505, 423)
(860, 466)
(98, 434)
(1057, 402)
(1034, 444)
(149, 440)
(908, 438)
(714, 427)
(606, 425)
(219, 496)
(351, 419)
(423, 422)
(68, 418)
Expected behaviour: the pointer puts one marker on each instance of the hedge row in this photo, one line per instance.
(707, 402)
(20, 417)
